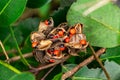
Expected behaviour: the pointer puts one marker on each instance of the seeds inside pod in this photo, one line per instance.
(72, 31)
(47, 22)
(62, 47)
(83, 42)
(61, 33)
(67, 39)
(34, 44)
(56, 52)
(51, 61)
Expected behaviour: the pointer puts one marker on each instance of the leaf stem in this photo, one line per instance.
(20, 53)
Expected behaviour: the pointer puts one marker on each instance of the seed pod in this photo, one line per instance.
(54, 53)
(46, 26)
(39, 56)
(44, 44)
(64, 26)
(57, 33)
(36, 37)
(77, 40)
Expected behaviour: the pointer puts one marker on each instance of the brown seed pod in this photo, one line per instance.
(77, 40)
(55, 52)
(39, 56)
(58, 32)
(35, 37)
(63, 25)
(46, 26)
(44, 44)
(52, 45)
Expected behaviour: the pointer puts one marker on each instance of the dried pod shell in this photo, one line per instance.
(44, 44)
(57, 33)
(63, 25)
(76, 37)
(37, 36)
(39, 56)
(75, 41)
(46, 28)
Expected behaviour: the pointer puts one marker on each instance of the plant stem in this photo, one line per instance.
(4, 51)
(26, 55)
(100, 62)
(20, 53)
(85, 62)
(43, 78)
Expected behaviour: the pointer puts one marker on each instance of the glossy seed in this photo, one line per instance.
(83, 42)
(51, 60)
(34, 44)
(47, 22)
(61, 33)
(56, 36)
(72, 31)
(56, 52)
(67, 39)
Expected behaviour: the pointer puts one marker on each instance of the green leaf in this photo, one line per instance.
(112, 54)
(95, 74)
(57, 77)
(23, 76)
(101, 25)
(22, 32)
(7, 71)
(10, 10)
(36, 3)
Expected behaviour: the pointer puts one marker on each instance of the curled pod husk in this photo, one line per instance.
(63, 25)
(46, 26)
(39, 56)
(44, 44)
(36, 36)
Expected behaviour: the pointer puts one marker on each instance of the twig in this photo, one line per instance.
(13, 59)
(100, 62)
(43, 78)
(7, 57)
(9, 51)
(49, 65)
(85, 62)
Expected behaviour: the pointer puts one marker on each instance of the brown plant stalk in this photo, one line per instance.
(85, 62)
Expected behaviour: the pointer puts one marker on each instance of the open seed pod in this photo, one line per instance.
(36, 37)
(54, 53)
(63, 25)
(77, 40)
(46, 26)
(57, 32)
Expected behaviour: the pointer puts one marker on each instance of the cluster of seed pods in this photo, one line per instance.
(51, 44)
